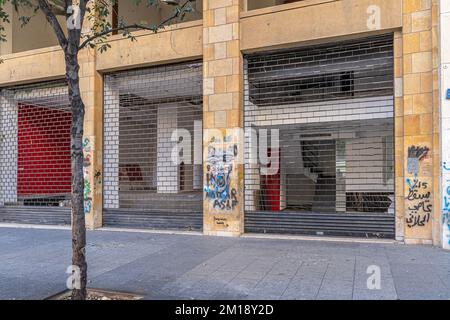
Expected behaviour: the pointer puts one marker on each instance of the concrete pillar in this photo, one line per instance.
(444, 74)
(91, 84)
(223, 118)
(399, 139)
(420, 147)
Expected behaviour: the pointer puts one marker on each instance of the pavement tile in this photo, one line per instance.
(332, 287)
(163, 266)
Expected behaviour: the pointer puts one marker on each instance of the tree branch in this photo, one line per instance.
(135, 26)
(51, 18)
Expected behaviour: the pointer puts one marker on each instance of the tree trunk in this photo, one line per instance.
(78, 219)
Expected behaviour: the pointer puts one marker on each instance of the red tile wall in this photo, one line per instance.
(43, 151)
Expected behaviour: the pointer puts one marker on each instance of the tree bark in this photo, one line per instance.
(78, 217)
(71, 47)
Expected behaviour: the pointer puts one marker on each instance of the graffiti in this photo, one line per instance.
(415, 155)
(218, 177)
(87, 198)
(445, 166)
(446, 205)
(87, 184)
(420, 206)
(446, 214)
(98, 182)
(221, 221)
(419, 197)
(446, 224)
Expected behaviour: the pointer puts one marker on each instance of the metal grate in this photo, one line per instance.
(153, 125)
(319, 138)
(35, 152)
(324, 73)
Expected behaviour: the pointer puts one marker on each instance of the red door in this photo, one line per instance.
(272, 183)
(43, 151)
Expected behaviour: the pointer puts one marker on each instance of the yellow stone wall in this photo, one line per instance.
(311, 21)
(32, 66)
(174, 44)
(91, 84)
(223, 112)
(421, 184)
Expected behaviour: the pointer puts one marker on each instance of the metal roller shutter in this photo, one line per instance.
(35, 154)
(331, 110)
(153, 125)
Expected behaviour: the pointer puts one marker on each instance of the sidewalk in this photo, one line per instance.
(164, 266)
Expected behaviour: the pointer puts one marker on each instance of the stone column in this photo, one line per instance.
(420, 138)
(223, 118)
(91, 84)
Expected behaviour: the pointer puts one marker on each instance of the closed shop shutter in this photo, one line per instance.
(320, 140)
(153, 125)
(35, 154)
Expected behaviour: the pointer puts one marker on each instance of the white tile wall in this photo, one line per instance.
(111, 146)
(167, 163)
(8, 154)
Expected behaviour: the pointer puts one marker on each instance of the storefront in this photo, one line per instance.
(327, 127)
(152, 128)
(35, 154)
(319, 145)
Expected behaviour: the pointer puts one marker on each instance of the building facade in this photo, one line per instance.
(311, 117)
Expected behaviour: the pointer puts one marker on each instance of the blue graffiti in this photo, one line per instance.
(445, 166)
(218, 178)
(446, 211)
(446, 204)
(411, 183)
(446, 221)
(219, 185)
